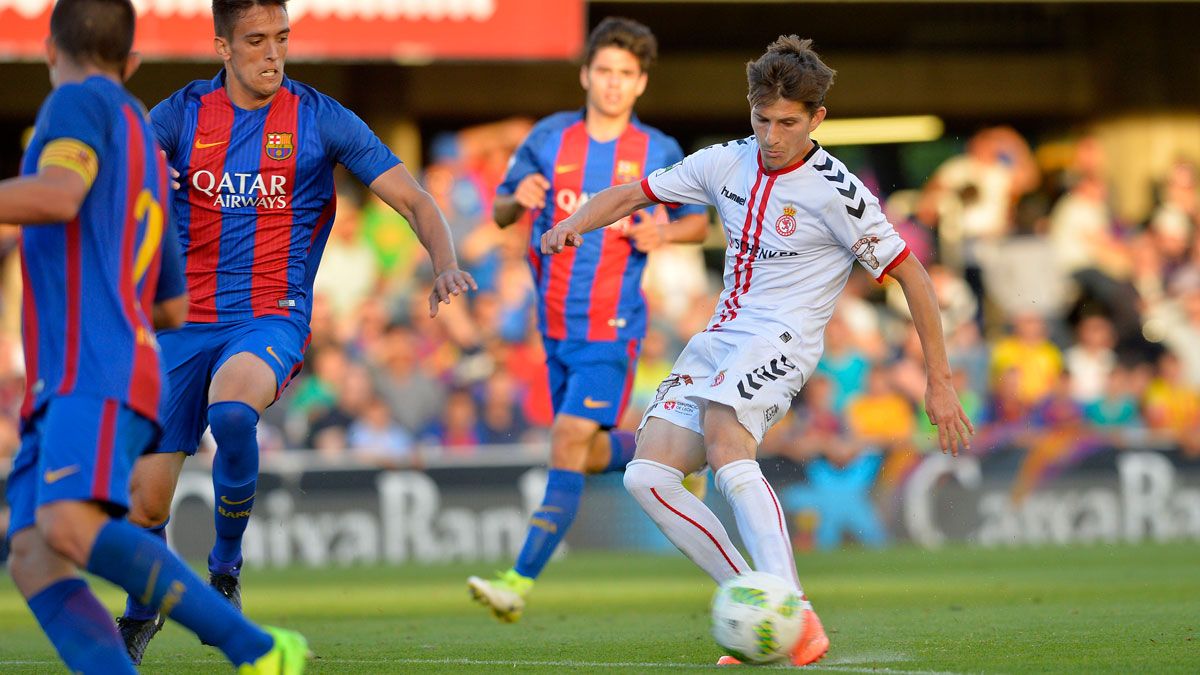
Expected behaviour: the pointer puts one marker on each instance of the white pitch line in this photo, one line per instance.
(839, 666)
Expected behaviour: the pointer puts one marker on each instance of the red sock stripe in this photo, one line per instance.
(782, 529)
(654, 491)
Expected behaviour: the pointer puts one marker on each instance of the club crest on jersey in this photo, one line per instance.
(628, 171)
(786, 224)
(279, 145)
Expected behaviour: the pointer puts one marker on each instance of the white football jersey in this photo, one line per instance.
(791, 236)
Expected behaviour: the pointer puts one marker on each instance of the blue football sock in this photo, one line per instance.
(141, 564)
(235, 479)
(550, 521)
(133, 608)
(80, 628)
(623, 448)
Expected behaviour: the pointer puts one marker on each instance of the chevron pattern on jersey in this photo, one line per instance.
(854, 208)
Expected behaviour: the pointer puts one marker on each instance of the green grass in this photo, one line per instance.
(1088, 609)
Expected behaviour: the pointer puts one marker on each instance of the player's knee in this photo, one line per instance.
(233, 427)
(570, 441)
(641, 476)
(64, 534)
(149, 508)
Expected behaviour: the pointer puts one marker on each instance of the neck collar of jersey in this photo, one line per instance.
(791, 167)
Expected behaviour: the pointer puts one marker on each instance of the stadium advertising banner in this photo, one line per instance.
(392, 30)
(1009, 497)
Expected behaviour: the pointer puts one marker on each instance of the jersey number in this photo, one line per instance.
(147, 209)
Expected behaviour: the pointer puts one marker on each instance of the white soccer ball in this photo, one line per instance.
(757, 617)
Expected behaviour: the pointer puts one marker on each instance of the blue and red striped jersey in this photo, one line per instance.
(90, 284)
(593, 292)
(257, 198)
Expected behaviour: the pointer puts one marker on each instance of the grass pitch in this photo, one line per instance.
(1090, 609)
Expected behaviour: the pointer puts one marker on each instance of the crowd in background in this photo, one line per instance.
(1058, 315)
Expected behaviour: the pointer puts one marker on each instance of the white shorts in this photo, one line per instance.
(755, 376)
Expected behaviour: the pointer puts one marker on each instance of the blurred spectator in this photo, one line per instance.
(349, 270)
(458, 429)
(843, 363)
(1117, 406)
(375, 437)
(880, 416)
(1172, 407)
(1091, 359)
(1175, 219)
(501, 421)
(413, 397)
(1028, 356)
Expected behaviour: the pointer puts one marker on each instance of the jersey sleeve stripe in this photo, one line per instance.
(649, 191)
(892, 265)
(73, 155)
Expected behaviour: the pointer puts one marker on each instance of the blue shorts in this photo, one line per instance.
(195, 352)
(76, 448)
(591, 379)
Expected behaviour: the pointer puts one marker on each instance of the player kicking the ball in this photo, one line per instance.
(795, 221)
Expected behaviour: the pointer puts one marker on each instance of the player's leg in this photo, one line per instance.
(72, 618)
(666, 453)
(252, 370)
(732, 452)
(189, 354)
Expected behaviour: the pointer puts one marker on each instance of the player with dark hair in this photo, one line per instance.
(101, 271)
(591, 313)
(255, 152)
(795, 221)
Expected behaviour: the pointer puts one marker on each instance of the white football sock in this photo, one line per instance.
(686, 521)
(760, 519)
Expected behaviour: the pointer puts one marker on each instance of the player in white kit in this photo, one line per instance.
(795, 222)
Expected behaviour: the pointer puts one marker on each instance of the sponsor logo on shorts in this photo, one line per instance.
(719, 379)
(785, 337)
(52, 476)
(681, 407)
(755, 379)
(668, 405)
(592, 404)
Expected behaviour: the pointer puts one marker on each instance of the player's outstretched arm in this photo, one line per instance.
(399, 190)
(602, 210)
(941, 400)
(53, 195)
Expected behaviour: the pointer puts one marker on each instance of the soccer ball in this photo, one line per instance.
(757, 617)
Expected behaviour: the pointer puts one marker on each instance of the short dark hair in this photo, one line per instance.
(99, 32)
(626, 34)
(227, 12)
(791, 70)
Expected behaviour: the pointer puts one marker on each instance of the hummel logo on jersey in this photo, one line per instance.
(200, 145)
(756, 378)
(853, 207)
(735, 197)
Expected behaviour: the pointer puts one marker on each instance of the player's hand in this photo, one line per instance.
(647, 231)
(448, 284)
(174, 174)
(559, 236)
(946, 413)
(531, 191)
